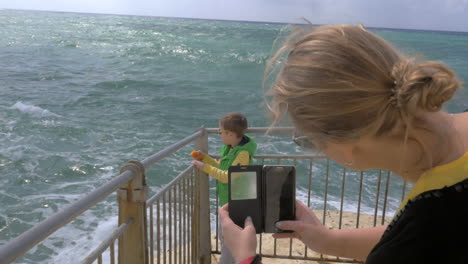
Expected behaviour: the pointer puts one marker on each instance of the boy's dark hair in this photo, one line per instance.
(234, 122)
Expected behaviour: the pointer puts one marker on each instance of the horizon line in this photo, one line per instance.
(234, 20)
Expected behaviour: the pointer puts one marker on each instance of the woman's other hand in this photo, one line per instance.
(307, 228)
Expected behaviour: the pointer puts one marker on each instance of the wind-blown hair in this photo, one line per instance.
(342, 82)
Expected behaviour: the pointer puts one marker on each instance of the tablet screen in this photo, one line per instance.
(243, 185)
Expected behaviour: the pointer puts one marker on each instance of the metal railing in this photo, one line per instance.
(319, 199)
(131, 231)
(173, 226)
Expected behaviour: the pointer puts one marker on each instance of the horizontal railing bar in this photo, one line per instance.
(313, 156)
(259, 130)
(24, 242)
(183, 173)
(151, 200)
(334, 260)
(106, 243)
(21, 244)
(149, 161)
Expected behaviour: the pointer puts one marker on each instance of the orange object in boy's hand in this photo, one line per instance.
(196, 154)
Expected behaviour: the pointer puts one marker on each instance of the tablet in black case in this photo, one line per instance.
(265, 193)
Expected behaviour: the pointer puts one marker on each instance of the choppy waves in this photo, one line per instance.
(82, 94)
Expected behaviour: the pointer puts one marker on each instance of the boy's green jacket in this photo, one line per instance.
(228, 155)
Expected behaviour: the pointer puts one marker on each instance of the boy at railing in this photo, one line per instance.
(238, 149)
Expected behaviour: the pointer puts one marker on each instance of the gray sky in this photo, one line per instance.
(413, 14)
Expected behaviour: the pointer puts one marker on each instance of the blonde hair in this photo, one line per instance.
(342, 82)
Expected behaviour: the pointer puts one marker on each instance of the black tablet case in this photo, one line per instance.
(276, 194)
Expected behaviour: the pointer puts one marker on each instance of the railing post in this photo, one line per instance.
(201, 234)
(132, 205)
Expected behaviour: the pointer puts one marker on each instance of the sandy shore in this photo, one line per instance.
(295, 248)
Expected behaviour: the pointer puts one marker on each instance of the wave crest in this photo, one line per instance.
(33, 110)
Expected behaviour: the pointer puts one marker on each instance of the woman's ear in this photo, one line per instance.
(348, 152)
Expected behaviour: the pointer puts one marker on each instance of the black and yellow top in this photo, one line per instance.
(431, 225)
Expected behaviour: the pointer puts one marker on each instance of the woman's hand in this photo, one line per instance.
(198, 164)
(241, 242)
(307, 228)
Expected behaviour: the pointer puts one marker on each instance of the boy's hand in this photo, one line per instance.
(198, 155)
(200, 165)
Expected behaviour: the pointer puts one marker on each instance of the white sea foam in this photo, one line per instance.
(77, 245)
(33, 110)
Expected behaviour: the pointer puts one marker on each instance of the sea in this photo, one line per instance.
(81, 94)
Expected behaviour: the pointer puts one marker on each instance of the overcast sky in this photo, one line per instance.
(412, 14)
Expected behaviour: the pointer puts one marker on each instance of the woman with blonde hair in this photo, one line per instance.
(362, 103)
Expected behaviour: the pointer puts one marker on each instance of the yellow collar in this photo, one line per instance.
(438, 178)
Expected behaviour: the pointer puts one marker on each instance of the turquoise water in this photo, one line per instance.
(81, 94)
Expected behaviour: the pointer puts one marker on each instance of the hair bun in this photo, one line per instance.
(425, 86)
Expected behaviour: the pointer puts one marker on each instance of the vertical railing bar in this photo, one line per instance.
(217, 218)
(403, 192)
(274, 239)
(151, 234)
(100, 259)
(343, 185)
(118, 243)
(164, 227)
(290, 240)
(189, 216)
(326, 192)
(376, 210)
(261, 237)
(192, 201)
(189, 219)
(169, 205)
(176, 248)
(202, 213)
(158, 230)
(386, 198)
(194, 190)
(180, 221)
(325, 196)
(191, 211)
(260, 244)
(360, 199)
(112, 252)
(185, 218)
(311, 168)
(189, 234)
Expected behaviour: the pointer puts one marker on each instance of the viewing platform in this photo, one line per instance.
(177, 223)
